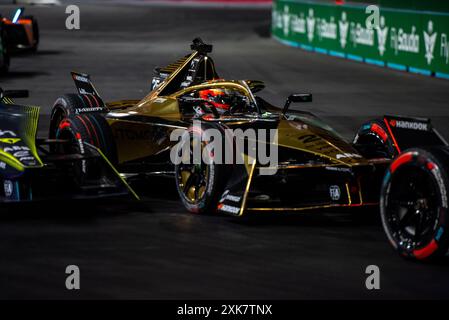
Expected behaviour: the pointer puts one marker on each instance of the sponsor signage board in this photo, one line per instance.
(403, 39)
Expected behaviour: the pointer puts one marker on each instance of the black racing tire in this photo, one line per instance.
(414, 203)
(91, 128)
(208, 179)
(72, 104)
(35, 27)
(5, 56)
(373, 140)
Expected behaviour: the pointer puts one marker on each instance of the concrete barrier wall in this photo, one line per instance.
(406, 39)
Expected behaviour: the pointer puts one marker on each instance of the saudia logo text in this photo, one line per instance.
(403, 41)
(327, 29)
(298, 23)
(361, 35)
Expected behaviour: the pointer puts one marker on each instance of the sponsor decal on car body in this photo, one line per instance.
(413, 125)
(334, 192)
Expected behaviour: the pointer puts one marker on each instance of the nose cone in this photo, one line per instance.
(18, 134)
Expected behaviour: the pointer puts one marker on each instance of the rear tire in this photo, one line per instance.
(91, 128)
(72, 104)
(35, 34)
(414, 203)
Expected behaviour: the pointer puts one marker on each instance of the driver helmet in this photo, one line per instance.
(217, 97)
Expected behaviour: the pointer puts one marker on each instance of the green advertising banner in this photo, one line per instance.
(403, 39)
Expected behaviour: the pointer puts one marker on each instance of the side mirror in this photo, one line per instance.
(300, 97)
(296, 97)
(255, 85)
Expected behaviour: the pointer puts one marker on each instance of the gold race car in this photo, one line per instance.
(304, 164)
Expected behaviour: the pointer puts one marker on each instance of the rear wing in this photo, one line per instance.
(85, 87)
(83, 84)
(408, 132)
(7, 95)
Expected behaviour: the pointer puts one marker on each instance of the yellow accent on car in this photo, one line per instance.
(10, 140)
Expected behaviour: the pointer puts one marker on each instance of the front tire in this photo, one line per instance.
(199, 183)
(414, 203)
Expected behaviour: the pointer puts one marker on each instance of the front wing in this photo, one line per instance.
(300, 188)
(61, 177)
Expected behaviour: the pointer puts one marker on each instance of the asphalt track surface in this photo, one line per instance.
(154, 249)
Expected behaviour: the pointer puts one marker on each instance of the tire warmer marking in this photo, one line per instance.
(433, 245)
(87, 128)
(94, 131)
(64, 124)
(404, 158)
(426, 251)
(430, 165)
(392, 135)
(96, 100)
(379, 131)
(88, 100)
